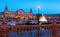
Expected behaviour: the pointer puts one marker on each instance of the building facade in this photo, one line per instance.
(20, 14)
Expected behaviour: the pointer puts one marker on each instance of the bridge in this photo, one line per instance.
(20, 29)
(5, 30)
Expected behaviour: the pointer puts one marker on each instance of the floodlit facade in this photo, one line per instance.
(42, 18)
(18, 14)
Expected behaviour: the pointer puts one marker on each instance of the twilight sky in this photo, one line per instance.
(47, 6)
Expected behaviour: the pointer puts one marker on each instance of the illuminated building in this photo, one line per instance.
(18, 14)
(42, 18)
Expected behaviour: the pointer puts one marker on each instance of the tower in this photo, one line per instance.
(30, 11)
(6, 10)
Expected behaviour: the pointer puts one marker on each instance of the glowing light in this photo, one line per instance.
(30, 16)
(16, 17)
(38, 6)
(42, 18)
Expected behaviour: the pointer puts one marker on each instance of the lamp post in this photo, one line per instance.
(38, 6)
(38, 13)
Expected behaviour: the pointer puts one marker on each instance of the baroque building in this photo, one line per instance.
(18, 14)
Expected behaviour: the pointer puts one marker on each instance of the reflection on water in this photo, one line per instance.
(42, 32)
(11, 23)
(31, 22)
(45, 32)
(0, 23)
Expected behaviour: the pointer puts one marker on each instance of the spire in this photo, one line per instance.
(6, 8)
(30, 10)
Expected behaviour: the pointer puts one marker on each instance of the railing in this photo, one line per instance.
(20, 29)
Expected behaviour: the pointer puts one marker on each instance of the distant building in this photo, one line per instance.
(42, 18)
(21, 15)
(18, 14)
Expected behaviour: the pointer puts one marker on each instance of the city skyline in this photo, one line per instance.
(47, 6)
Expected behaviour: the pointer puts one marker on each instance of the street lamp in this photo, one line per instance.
(38, 6)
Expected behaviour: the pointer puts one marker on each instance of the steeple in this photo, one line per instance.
(30, 10)
(6, 8)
